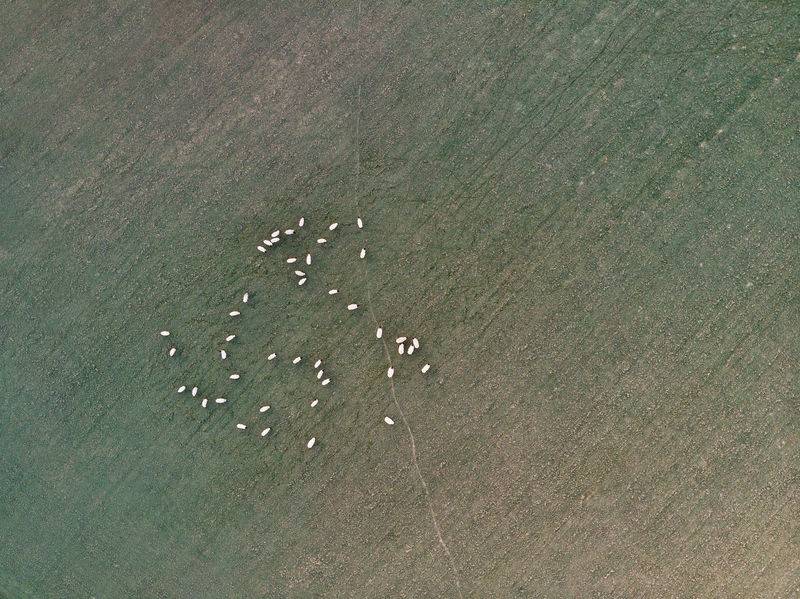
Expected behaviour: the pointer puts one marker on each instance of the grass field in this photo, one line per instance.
(588, 212)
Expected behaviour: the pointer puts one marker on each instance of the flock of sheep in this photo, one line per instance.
(404, 345)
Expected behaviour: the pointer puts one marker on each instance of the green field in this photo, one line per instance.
(588, 212)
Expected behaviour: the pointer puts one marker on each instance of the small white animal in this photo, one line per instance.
(299, 273)
(401, 349)
(400, 340)
(301, 222)
(319, 374)
(333, 226)
(241, 426)
(234, 377)
(245, 297)
(276, 233)
(263, 409)
(265, 431)
(223, 354)
(360, 223)
(271, 357)
(296, 360)
(220, 400)
(230, 337)
(322, 240)
(415, 342)
(308, 259)
(388, 420)
(333, 292)
(352, 306)
(182, 388)
(172, 352)
(379, 333)
(289, 232)
(317, 363)
(311, 442)
(410, 349)
(363, 253)
(314, 403)
(390, 372)
(204, 403)
(325, 382)
(426, 368)
(165, 333)
(261, 248)
(194, 391)
(235, 313)
(301, 281)
(291, 260)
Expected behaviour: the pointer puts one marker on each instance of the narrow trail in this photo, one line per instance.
(413, 443)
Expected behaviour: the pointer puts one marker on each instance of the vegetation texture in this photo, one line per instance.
(588, 212)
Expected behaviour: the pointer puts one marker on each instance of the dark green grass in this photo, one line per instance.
(587, 212)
